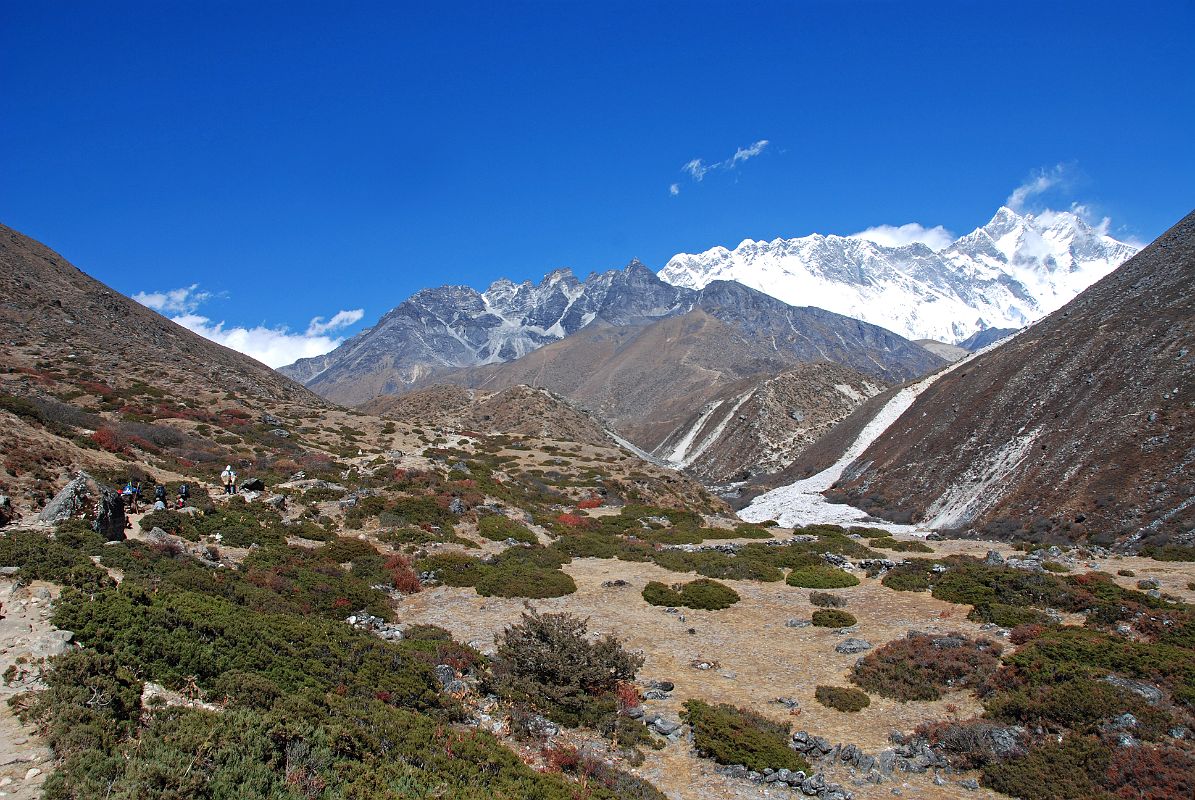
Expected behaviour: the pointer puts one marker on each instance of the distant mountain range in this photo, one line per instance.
(1006, 274)
(439, 331)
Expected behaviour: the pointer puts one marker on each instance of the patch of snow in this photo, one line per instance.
(716, 433)
(850, 392)
(980, 486)
(677, 456)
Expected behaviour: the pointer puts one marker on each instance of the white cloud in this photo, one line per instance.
(342, 319)
(1041, 181)
(175, 301)
(274, 347)
(698, 169)
(674, 189)
(744, 153)
(934, 238)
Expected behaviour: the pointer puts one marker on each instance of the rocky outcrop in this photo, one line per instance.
(72, 500)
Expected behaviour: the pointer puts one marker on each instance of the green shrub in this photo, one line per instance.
(842, 698)
(549, 661)
(703, 593)
(889, 543)
(1170, 552)
(658, 594)
(833, 618)
(821, 576)
(1007, 616)
(523, 579)
(55, 560)
(498, 528)
(1054, 771)
(827, 600)
(1126, 573)
(1055, 567)
(732, 735)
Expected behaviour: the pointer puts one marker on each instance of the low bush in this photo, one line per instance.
(821, 576)
(842, 698)
(922, 667)
(56, 560)
(1126, 573)
(833, 618)
(827, 600)
(973, 743)
(498, 528)
(703, 594)
(550, 662)
(1007, 616)
(1066, 770)
(731, 735)
(1170, 552)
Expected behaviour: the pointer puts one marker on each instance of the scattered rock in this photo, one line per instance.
(1152, 694)
(253, 485)
(281, 433)
(852, 646)
(1147, 583)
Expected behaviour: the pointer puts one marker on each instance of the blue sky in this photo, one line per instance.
(296, 160)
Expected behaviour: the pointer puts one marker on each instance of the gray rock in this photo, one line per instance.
(456, 506)
(852, 646)
(1147, 583)
(887, 762)
(797, 623)
(445, 673)
(110, 521)
(269, 419)
(253, 485)
(70, 500)
(1179, 732)
(665, 726)
(993, 559)
(5, 510)
(8, 572)
(969, 783)
(663, 686)
(1151, 693)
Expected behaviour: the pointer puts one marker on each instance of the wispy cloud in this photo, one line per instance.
(934, 238)
(274, 346)
(174, 301)
(697, 169)
(1039, 182)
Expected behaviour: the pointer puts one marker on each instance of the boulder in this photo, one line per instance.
(5, 510)
(110, 521)
(253, 485)
(71, 500)
(269, 419)
(852, 646)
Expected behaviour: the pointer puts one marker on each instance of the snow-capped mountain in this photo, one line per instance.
(1006, 274)
(449, 328)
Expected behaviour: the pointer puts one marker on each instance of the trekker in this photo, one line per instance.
(184, 492)
(160, 494)
(129, 495)
(230, 480)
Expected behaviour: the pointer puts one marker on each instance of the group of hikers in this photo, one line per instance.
(131, 494)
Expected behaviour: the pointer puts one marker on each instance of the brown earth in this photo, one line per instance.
(1080, 428)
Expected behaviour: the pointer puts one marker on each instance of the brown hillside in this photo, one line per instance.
(1082, 427)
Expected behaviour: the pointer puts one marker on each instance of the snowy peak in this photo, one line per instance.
(1005, 274)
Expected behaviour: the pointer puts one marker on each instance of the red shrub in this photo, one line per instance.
(107, 439)
(341, 602)
(627, 696)
(402, 575)
(1145, 773)
(1026, 633)
(383, 695)
(592, 502)
(572, 520)
(562, 757)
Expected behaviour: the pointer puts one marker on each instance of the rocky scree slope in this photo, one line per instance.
(1080, 428)
(441, 330)
(1005, 274)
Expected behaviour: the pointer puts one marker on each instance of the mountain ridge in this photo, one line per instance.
(1005, 274)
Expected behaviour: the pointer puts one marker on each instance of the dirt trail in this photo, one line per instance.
(25, 635)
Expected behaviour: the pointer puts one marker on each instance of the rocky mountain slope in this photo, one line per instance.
(699, 392)
(439, 330)
(1011, 271)
(1082, 427)
(48, 306)
(518, 410)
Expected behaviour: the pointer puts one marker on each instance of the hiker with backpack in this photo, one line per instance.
(160, 495)
(184, 494)
(230, 480)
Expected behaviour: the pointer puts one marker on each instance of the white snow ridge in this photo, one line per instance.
(1012, 271)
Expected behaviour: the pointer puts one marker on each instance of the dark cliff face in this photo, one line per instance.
(1082, 427)
(440, 330)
